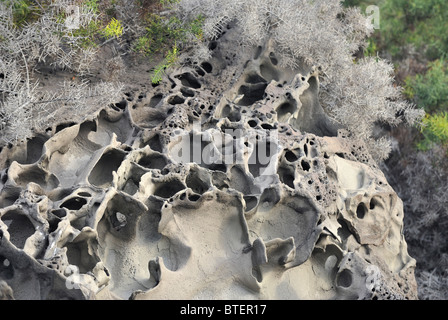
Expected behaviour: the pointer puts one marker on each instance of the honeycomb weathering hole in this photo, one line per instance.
(74, 203)
(101, 175)
(207, 67)
(251, 93)
(155, 100)
(168, 189)
(19, 227)
(344, 278)
(188, 80)
(153, 161)
(286, 110)
(360, 211)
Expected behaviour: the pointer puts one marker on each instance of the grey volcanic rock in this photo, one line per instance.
(227, 181)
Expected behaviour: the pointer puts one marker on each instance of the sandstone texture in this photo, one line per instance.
(226, 181)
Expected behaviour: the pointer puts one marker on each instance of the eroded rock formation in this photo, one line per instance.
(227, 181)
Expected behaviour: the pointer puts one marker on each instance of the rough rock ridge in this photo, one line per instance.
(227, 181)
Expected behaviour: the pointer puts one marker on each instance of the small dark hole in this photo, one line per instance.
(186, 92)
(188, 80)
(60, 213)
(207, 67)
(267, 126)
(274, 60)
(84, 194)
(74, 203)
(122, 104)
(200, 71)
(155, 100)
(213, 45)
(360, 211)
(372, 204)
(305, 165)
(194, 197)
(290, 156)
(345, 278)
(113, 106)
(252, 123)
(63, 126)
(175, 100)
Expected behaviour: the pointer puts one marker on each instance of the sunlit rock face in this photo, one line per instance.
(226, 181)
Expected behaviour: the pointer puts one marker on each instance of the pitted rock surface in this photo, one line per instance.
(227, 181)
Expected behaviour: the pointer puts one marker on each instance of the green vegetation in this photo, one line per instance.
(92, 5)
(417, 27)
(403, 23)
(434, 130)
(24, 11)
(420, 23)
(87, 36)
(113, 29)
(162, 32)
(429, 90)
(371, 49)
(167, 34)
(414, 34)
(169, 60)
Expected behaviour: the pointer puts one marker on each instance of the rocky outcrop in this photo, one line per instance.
(227, 181)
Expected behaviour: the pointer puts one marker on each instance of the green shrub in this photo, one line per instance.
(162, 32)
(23, 11)
(87, 36)
(159, 32)
(429, 90)
(169, 60)
(92, 5)
(167, 35)
(435, 131)
(371, 49)
(421, 23)
(113, 29)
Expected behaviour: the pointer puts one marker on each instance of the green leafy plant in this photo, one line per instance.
(435, 131)
(169, 60)
(92, 5)
(113, 29)
(195, 27)
(371, 49)
(23, 11)
(168, 34)
(421, 23)
(161, 33)
(168, 3)
(429, 90)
